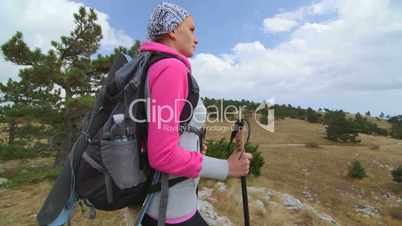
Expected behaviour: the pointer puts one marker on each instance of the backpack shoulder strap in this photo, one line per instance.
(157, 56)
(193, 88)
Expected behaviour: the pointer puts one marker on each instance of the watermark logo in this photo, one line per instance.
(267, 121)
(263, 115)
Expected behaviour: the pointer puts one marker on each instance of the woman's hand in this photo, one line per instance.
(239, 167)
(204, 149)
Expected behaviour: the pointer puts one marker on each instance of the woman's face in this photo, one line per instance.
(185, 40)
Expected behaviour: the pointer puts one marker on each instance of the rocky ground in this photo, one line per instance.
(260, 200)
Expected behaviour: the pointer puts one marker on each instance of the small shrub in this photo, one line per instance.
(312, 145)
(396, 132)
(396, 212)
(374, 147)
(18, 151)
(397, 174)
(357, 170)
(257, 162)
(32, 176)
(12, 151)
(219, 149)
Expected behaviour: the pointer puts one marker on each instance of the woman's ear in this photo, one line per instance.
(172, 35)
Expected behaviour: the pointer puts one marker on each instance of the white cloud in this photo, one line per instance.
(42, 21)
(112, 37)
(278, 24)
(351, 61)
(286, 21)
(321, 7)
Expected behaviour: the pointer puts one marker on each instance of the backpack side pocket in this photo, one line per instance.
(122, 161)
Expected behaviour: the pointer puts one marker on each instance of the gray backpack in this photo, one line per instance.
(108, 164)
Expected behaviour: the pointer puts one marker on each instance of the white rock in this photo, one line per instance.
(208, 211)
(327, 218)
(291, 202)
(209, 214)
(264, 193)
(367, 210)
(256, 189)
(388, 166)
(204, 193)
(267, 196)
(307, 195)
(222, 221)
(259, 197)
(322, 216)
(259, 206)
(221, 187)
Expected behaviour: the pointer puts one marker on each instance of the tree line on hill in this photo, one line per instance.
(339, 126)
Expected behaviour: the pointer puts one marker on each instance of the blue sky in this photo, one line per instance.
(338, 54)
(220, 24)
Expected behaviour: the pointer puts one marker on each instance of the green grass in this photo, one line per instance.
(11, 152)
(31, 176)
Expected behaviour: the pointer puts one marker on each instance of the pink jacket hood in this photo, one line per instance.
(158, 47)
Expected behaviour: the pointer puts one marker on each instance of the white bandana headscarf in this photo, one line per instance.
(165, 18)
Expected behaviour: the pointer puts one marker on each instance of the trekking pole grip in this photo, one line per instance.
(239, 138)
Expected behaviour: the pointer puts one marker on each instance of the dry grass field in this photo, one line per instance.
(292, 166)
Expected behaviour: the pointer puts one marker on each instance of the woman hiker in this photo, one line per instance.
(171, 30)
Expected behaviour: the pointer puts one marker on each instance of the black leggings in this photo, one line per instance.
(196, 220)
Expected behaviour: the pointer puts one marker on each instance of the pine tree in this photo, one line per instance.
(339, 128)
(397, 174)
(396, 130)
(357, 170)
(312, 116)
(25, 109)
(61, 82)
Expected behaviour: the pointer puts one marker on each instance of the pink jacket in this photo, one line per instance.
(168, 82)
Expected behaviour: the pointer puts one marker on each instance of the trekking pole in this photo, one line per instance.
(238, 134)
